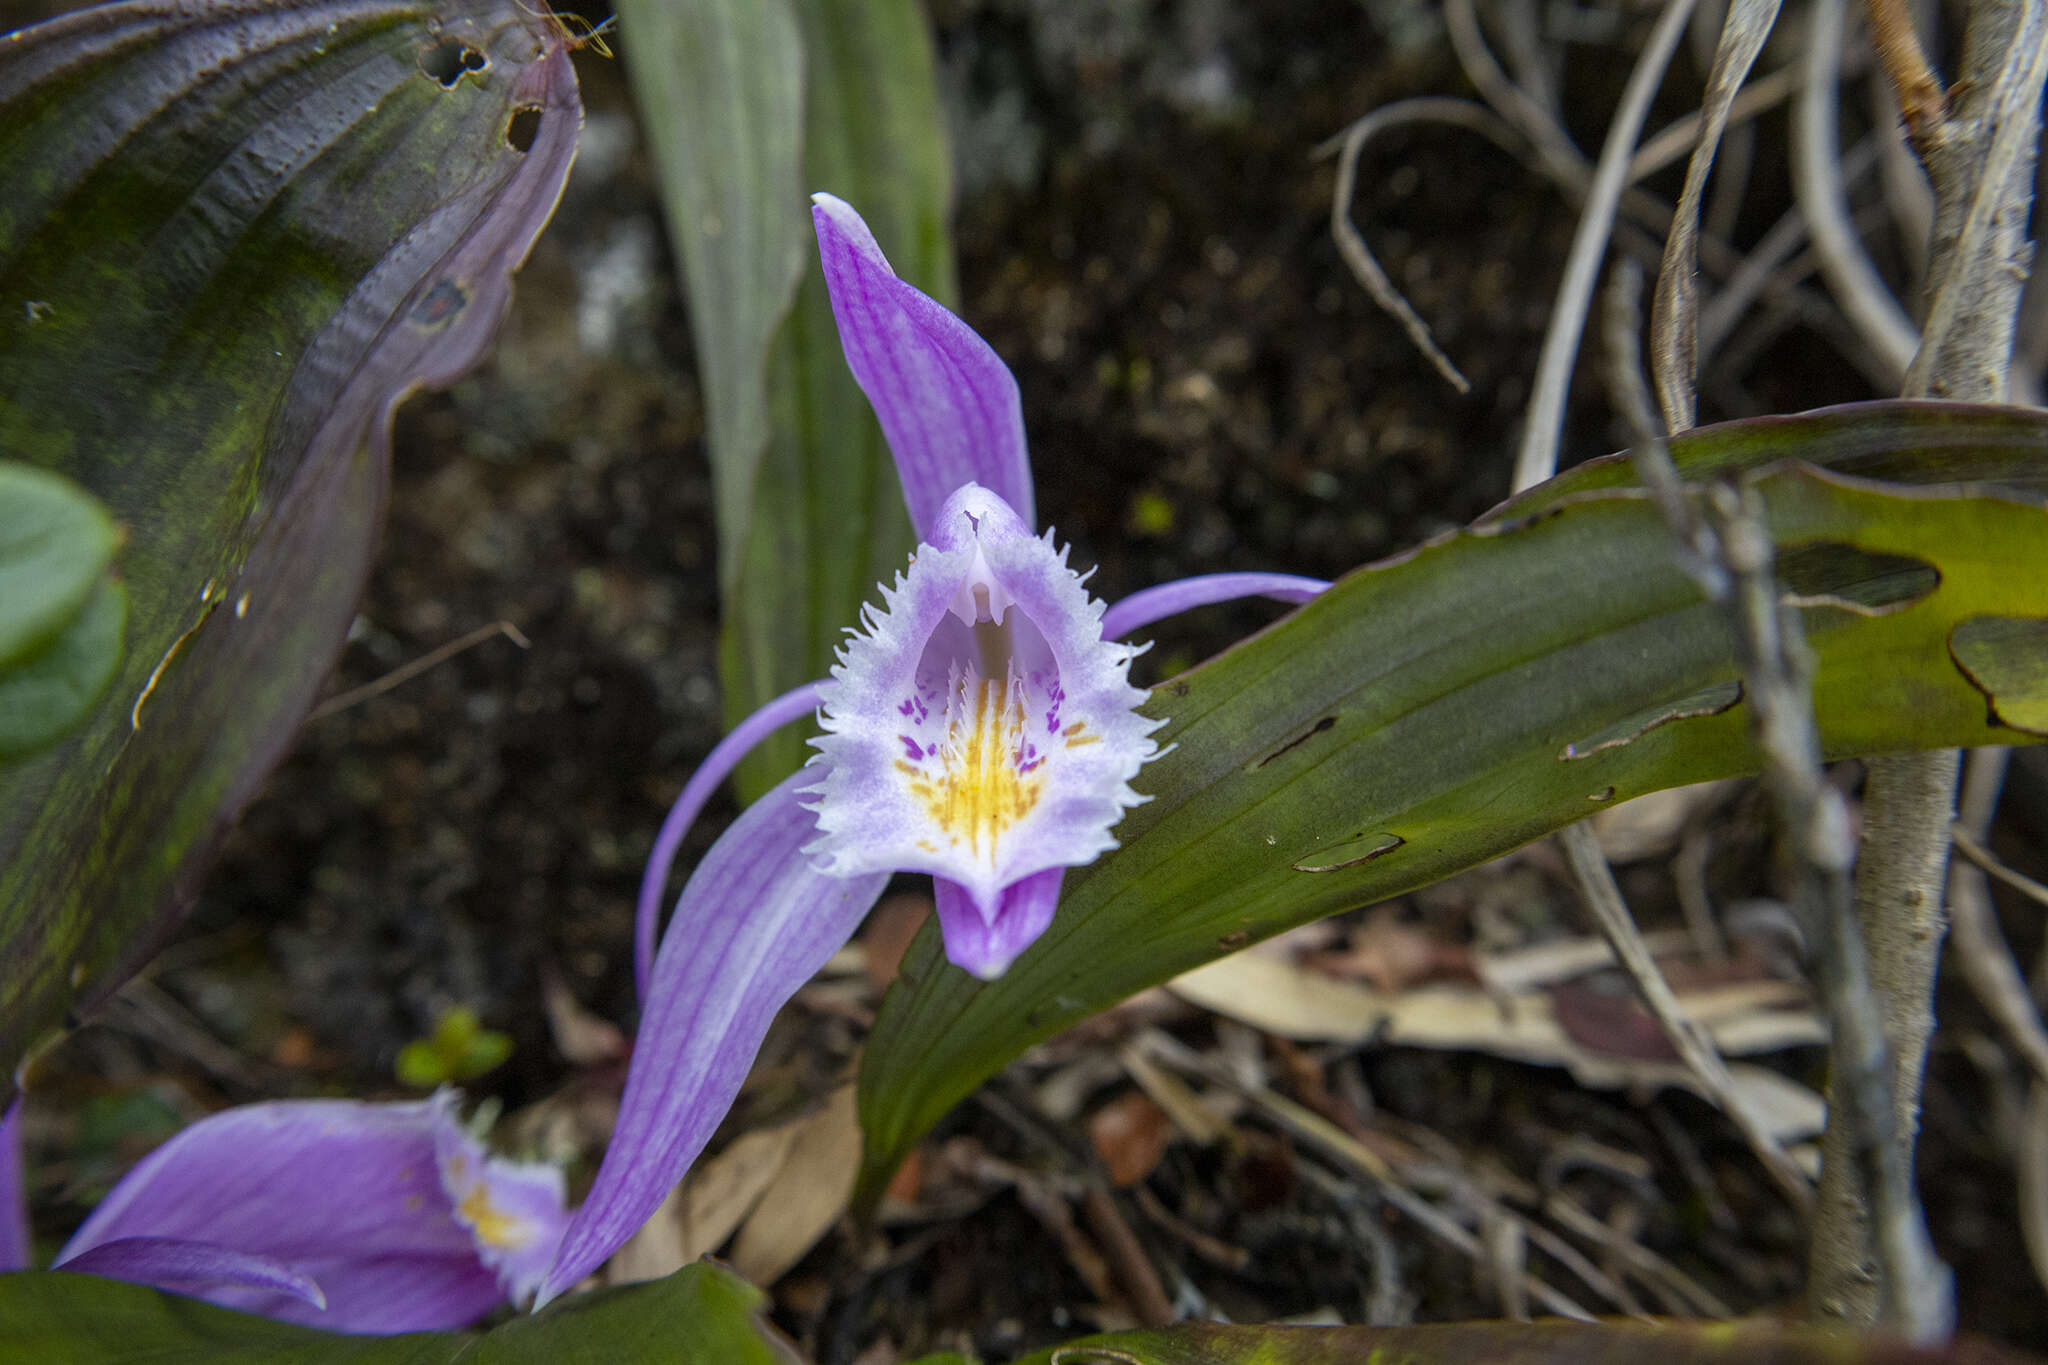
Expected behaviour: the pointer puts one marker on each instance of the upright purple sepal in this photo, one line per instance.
(946, 401)
(755, 922)
(16, 1246)
(349, 1196)
(985, 945)
(195, 1267)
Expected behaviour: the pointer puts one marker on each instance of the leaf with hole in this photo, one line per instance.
(1439, 709)
(243, 232)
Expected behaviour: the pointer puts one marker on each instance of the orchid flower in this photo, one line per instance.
(333, 1213)
(980, 726)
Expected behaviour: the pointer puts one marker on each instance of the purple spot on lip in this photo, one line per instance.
(905, 708)
(910, 747)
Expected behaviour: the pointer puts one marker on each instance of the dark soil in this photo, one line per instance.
(1143, 234)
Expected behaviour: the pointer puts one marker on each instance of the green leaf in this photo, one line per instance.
(60, 617)
(55, 543)
(234, 236)
(1507, 1343)
(751, 106)
(47, 694)
(460, 1049)
(1438, 709)
(701, 1313)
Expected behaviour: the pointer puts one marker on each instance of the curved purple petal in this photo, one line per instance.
(1157, 603)
(983, 945)
(723, 758)
(16, 1246)
(946, 401)
(755, 922)
(194, 1267)
(346, 1194)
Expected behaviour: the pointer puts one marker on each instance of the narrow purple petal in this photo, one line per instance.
(346, 1194)
(754, 923)
(1157, 603)
(16, 1246)
(946, 401)
(194, 1267)
(723, 758)
(986, 946)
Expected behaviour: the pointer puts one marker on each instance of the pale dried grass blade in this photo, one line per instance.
(1674, 309)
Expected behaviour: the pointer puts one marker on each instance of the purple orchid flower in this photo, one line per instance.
(350, 1216)
(980, 726)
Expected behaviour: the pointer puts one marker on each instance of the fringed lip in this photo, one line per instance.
(979, 727)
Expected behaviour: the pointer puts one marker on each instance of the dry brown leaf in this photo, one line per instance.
(655, 1252)
(721, 1192)
(806, 1196)
(1130, 1134)
(1393, 955)
(1277, 996)
(886, 936)
(581, 1037)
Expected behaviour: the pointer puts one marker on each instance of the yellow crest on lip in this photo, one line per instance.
(973, 787)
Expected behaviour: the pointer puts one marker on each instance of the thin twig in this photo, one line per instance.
(1602, 898)
(406, 672)
(1817, 186)
(1677, 138)
(1914, 83)
(1313, 1129)
(1969, 847)
(1981, 950)
(1351, 244)
(1536, 459)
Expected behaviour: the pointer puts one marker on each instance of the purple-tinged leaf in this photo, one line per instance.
(755, 922)
(243, 231)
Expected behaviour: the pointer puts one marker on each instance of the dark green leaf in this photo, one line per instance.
(1439, 709)
(242, 232)
(1509, 1343)
(810, 516)
(702, 1313)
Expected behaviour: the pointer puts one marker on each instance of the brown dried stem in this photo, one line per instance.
(1913, 81)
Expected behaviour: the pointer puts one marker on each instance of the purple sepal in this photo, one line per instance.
(723, 758)
(16, 1246)
(195, 1267)
(348, 1195)
(755, 922)
(1157, 603)
(985, 946)
(945, 399)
